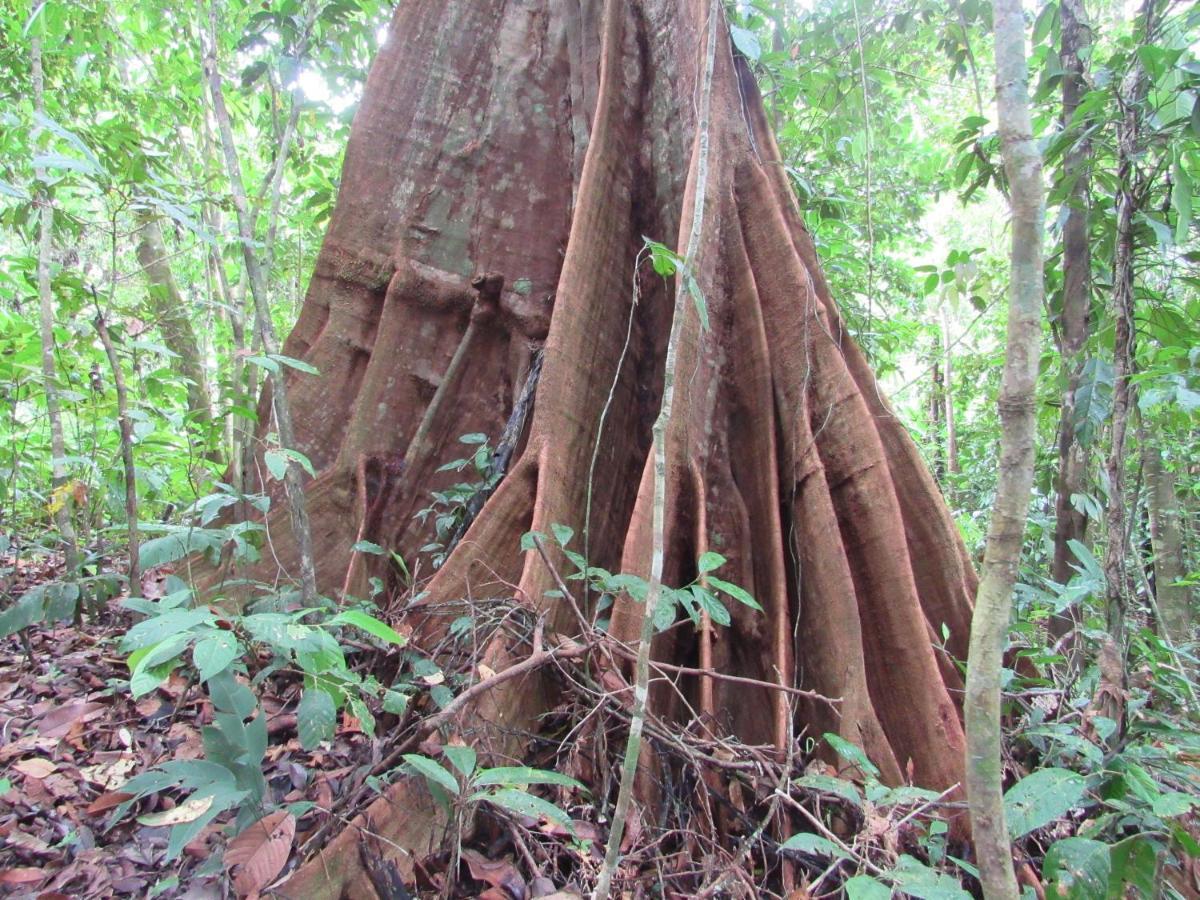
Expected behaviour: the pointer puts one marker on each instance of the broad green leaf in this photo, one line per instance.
(864, 887)
(562, 533)
(1040, 798)
(214, 654)
(526, 805)
(367, 547)
(371, 625)
(746, 42)
(850, 752)
(315, 717)
(432, 771)
(507, 776)
(918, 880)
(1173, 804)
(709, 562)
(1078, 869)
(814, 843)
(1134, 862)
(827, 784)
(741, 595)
(462, 758)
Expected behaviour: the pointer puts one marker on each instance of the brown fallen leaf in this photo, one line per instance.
(36, 767)
(22, 875)
(499, 873)
(107, 801)
(261, 851)
(58, 721)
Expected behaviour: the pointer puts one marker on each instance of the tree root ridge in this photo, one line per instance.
(782, 456)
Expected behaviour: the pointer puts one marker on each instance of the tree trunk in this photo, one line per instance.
(1070, 522)
(60, 502)
(1174, 598)
(948, 392)
(1130, 194)
(1018, 418)
(539, 142)
(170, 313)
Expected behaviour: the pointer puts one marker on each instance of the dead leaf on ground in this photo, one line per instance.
(499, 873)
(58, 721)
(110, 775)
(108, 801)
(188, 811)
(36, 767)
(22, 875)
(261, 851)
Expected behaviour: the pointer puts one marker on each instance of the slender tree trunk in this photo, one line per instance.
(294, 474)
(1174, 597)
(126, 425)
(695, 203)
(937, 404)
(61, 504)
(1130, 192)
(993, 604)
(169, 311)
(948, 393)
(1070, 522)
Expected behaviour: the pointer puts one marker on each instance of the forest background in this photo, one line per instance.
(130, 338)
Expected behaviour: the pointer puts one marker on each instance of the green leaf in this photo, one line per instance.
(507, 776)
(1174, 803)
(562, 533)
(1134, 862)
(741, 595)
(709, 562)
(850, 752)
(918, 880)
(814, 843)
(1181, 199)
(746, 42)
(371, 625)
(315, 717)
(432, 772)
(827, 784)
(395, 702)
(1040, 798)
(462, 758)
(864, 887)
(524, 804)
(710, 604)
(297, 364)
(214, 654)
(1078, 869)
(367, 547)
(277, 462)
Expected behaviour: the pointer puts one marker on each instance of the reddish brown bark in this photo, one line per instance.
(541, 141)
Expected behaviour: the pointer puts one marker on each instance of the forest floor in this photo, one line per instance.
(71, 734)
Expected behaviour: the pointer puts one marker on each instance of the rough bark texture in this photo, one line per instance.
(1018, 419)
(1070, 523)
(1173, 595)
(539, 142)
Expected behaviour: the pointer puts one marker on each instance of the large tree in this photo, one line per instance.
(505, 164)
